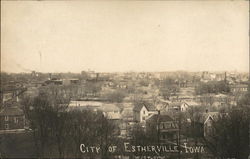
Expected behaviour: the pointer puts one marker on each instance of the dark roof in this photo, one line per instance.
(148, 106)
(11, 111)
(213, 115)
(138, 107)
(162, 118)
(11, 103)
(10, 89)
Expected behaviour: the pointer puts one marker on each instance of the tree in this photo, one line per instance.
(212, 87)
(115, 96)
(40, 117)
(168, 87)
(230, 135)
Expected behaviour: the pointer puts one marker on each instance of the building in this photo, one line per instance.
(207, 119)
(11, 93)
(238, 88)
(163, 127)
(111, 111)
(221, 100)
(56, 81)
(70, 81)
(84, 105)
(143, 111)
(174, 106)
(127, 117)
(188, 104)
(12, 118)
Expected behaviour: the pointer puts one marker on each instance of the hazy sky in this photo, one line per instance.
(60, 36)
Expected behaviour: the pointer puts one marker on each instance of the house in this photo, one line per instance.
(174, 106)
(143, 111)
(70, 81)
(111, 111)
(207, 119)
(127, 117)
(12, 118)
(55, 81)
(162, 126)
(11, 92)
(127, 112)
(220, 100)
(239, 88)
(83, 105)
(8, 95)
(185, 105)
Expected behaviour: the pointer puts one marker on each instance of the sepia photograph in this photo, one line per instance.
(126, 79)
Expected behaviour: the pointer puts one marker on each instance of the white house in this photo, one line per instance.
(111, 111)
(143, 111)
(208, 119)
(185, 105)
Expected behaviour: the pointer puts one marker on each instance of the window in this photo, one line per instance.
(144, 112)
(6, 118)
(163, 125)
(15, 119)
(6, 126)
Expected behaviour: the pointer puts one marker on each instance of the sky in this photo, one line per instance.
(117, 36)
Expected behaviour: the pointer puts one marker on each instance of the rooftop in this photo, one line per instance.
(162, 118)
(11, 111)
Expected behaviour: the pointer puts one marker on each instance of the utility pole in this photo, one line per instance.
(158, 127)
(179, 135)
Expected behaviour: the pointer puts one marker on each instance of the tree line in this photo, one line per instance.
(58, 132)
(212, 87)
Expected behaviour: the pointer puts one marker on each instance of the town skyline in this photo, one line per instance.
(131, 71)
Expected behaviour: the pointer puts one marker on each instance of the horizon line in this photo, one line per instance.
(133, 71)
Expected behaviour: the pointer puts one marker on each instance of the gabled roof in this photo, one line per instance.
(11, 103)
(220, 95)
(11, 111)
(138, 107)
(162, 118)
(85, 103)
(212, 115)
(148, 106)
(191, 103)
